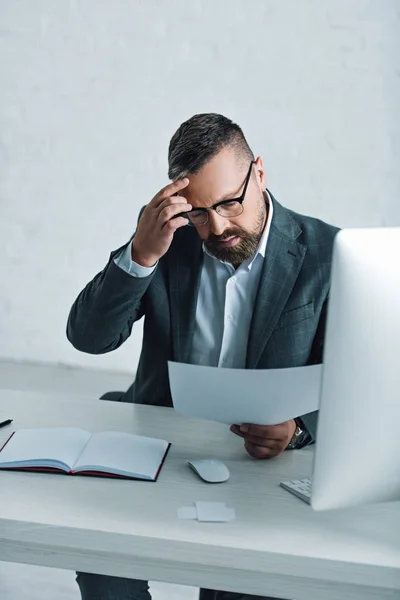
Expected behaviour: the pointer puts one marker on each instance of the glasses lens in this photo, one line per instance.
(198, 217)
(230, 209)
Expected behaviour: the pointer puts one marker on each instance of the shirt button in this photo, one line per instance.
(230, 318)
(233, 279)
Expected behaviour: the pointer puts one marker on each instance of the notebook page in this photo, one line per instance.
(122, 453)
(32, 446)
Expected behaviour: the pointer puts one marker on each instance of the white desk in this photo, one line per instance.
(277, 545)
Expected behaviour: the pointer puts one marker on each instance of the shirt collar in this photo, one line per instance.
(261, 249)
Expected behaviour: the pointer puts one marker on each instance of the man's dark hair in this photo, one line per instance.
(199, 139)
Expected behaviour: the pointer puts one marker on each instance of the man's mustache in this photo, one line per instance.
(212, 239)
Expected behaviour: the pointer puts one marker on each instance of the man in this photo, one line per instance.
(224, 276)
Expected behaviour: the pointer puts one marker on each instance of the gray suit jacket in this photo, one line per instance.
(288, 323)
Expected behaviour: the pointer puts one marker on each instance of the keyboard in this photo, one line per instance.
(299, 487)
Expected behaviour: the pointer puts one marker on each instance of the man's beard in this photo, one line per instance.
(245, 249)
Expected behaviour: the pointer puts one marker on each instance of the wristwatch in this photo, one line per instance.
(300, 437)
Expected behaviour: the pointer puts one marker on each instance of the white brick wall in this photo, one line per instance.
(92, 90)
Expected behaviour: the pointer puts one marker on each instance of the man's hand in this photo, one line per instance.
(157, 226)
(266, 441)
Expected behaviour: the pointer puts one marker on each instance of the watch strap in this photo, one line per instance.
(301, 436)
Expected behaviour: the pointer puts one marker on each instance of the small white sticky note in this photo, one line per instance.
(214, 512)
(187, 512)
(230, 514)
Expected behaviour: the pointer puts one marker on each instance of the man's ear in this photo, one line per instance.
(260, 172)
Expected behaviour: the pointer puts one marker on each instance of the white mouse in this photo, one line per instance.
(210, 470)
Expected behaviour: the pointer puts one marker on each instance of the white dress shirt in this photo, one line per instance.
(224, 305)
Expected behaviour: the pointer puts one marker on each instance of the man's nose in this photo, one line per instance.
(216, 223)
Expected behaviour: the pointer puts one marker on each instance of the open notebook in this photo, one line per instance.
(75, 451)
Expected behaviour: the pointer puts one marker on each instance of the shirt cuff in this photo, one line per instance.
(306, 438)
(124, 261)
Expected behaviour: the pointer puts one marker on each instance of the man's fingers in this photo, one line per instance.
(273, 432)
(263, 442)
(170, 190)
(258, 451)
(256, 439)
(171, 211)
(173, 224)
(259, 446)
(170, 203)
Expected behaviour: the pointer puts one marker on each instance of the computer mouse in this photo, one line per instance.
(210, 470)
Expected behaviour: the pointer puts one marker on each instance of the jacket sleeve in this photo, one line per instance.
(310, 420)
(103, 314)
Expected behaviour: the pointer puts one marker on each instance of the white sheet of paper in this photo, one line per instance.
(207, 512)
(236, 396)
(214, 512)
(187, 513)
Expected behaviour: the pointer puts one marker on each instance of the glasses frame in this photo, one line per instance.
(215, 207)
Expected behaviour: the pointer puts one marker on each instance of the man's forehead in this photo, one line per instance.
(215, 182)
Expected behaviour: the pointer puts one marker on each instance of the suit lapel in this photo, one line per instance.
(185, 261)
(282, 263)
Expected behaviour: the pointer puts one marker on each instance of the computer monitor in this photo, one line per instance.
(357, 455)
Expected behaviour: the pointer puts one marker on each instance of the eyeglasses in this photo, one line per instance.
(225, 208)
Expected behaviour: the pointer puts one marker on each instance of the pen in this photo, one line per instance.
(4, 423)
